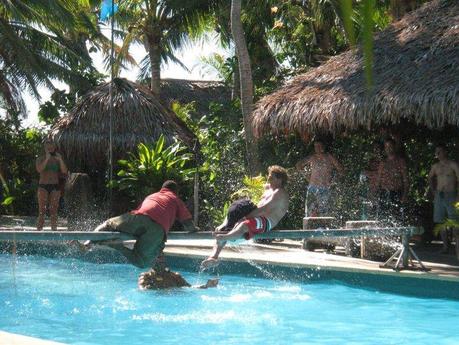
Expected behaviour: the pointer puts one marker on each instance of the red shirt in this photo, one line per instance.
(164, 208)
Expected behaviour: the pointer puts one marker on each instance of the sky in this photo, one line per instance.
(190, 56)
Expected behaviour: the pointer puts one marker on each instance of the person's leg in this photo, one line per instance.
(54, 197)
(323, 201)
(310, 204)
(236, 233)
(42, 196)
(440, 215)
(150, 238)
(148, 247)
(213, 257)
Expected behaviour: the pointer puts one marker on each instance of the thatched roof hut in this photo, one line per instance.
(201, 92)
(83, 134)
(416, 80)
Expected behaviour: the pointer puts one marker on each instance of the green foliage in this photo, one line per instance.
(18, 150)
(223, 66)
(253, 188)
(221, 161)
(449, 223)
(144, 172)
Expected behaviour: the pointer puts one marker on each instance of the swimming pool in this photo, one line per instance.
(78, 302)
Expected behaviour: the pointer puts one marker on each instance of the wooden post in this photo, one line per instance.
(358, 224)
(311, 223)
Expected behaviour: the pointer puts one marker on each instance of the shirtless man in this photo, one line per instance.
(320, 166)
(392, 183)
(270, 210)
(444, 184)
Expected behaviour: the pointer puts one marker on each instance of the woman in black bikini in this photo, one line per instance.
(49, 166)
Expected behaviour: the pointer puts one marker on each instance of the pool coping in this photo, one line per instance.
(7, 338)
(296, 257)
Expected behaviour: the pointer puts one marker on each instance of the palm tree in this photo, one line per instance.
(162, 27)
(246, 84)
(35, 49)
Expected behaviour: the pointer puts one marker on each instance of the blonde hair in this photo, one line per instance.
(280, 173)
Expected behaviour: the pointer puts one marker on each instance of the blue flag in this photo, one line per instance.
(107, 10)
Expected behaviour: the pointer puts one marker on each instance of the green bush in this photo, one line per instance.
(144, 172)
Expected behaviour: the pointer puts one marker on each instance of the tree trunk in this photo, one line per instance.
(155, 62)
(246, 85)
(235, 87)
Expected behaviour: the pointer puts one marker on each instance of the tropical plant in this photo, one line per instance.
(253, 188)
(162, 27)
(18, 149)
(144, 172)
(448, 223)
(36, 48)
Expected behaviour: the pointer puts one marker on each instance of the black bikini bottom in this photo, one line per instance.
(49, 187)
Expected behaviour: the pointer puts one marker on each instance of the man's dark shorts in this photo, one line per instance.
(149, 234)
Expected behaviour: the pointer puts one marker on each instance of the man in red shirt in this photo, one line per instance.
(149, 224)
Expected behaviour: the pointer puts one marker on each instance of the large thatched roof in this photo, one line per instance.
(83, 134)
(199, 91)
(416, 79)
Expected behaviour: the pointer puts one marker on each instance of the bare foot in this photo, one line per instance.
(209, 262)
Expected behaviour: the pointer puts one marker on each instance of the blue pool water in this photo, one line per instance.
(77, 302)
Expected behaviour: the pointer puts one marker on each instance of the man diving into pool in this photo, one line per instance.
(149, 224)
(270, 210)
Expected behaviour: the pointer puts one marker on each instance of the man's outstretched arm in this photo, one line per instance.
(189, 226)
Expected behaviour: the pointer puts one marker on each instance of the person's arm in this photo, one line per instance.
(378, 177)
(337, 165)
(41, 162)
(184, 217)
(262, 210)
(406, 185)
(189, 226)
(222, 225)
(62, 165)
(431, 178)
(300, 165)
(455, 167)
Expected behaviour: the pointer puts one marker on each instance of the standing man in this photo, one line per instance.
(149, 224)
(270, 210)
(392, 184)
(320, 165)
(444, 184)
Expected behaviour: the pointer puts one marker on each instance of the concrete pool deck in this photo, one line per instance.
(290, 254)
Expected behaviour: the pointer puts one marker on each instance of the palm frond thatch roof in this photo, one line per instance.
(416, 79)
(199, 91)
(83, 134)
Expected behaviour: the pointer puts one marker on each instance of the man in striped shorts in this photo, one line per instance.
(270, 210)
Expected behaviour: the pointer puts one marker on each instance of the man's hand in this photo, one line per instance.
(194, 229)
(189, 226)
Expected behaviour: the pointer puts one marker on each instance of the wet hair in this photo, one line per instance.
(279, 173)
(171, 185)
